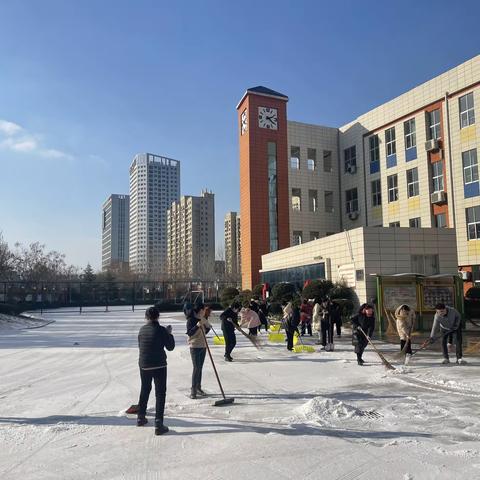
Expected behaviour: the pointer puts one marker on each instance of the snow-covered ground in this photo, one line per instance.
(64, 388)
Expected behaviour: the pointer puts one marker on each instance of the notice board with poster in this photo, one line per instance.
(396, 295)
(433, 294)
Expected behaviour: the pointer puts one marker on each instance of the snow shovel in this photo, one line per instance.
(225, 400)
(216, 339)
(302, 348)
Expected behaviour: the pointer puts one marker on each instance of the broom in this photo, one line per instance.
(225, 400)
(380, 354)
(255, 341)
(217, 340)
(473, 348)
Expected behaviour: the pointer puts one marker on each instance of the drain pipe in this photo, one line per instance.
(450, 162)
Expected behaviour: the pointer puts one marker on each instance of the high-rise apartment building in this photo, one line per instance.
(232, 244)
(115, 220)
(411, 162)
(191, 237)
(154, 185)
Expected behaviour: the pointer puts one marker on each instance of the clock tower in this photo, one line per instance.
(264, 208)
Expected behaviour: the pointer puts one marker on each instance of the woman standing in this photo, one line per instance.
(364, 320)
(152, 340)
(405, 319)
(198, 348)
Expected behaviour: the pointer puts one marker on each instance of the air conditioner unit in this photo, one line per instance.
(353, 215)
(432, 145)
(352, 169)
(467, 276)
(438, 197)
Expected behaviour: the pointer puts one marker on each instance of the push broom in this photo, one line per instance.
(224, 400)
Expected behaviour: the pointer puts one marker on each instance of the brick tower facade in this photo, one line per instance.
(264, 209)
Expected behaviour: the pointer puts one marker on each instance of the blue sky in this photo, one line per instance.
(86, 84)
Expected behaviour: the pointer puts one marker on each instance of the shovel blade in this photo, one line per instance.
(223, 401)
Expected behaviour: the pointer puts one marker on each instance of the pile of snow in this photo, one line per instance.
(11, 322)
(319, 408)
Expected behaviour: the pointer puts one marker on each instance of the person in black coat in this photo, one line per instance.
(229, 319)
(152, 341)
(365, 319)
(291, 321)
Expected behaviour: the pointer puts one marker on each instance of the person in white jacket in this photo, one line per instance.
(405, 320)
(316, 321)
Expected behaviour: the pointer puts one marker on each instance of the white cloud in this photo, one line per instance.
(9, 128)
(15, 138)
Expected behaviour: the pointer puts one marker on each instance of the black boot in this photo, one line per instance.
(193, 394)
(160, 429)
(200, 392)
(141, 421)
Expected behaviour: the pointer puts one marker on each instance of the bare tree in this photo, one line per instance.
(6, 259)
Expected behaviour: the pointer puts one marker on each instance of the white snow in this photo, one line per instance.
(64, 389)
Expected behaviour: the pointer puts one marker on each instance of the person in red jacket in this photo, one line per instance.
(306, 310)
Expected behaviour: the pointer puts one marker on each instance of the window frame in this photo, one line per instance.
(294, 160)
(299, 235)
(475, 222)
(376, 193)
(441, 215)
(332, 208)
(416, 220)
(472, 167)
(410, 134)
(470, 119)
(312, 206)
(327, 154)
(350, 157)
(434, 130)
(311, 159)
(351, 204)
(392, 189)
(295, 207)
(390, 142)
(413, 184)
(374, 148)
(439, 178)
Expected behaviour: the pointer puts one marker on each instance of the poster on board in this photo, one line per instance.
(396, 295)
(437, 294)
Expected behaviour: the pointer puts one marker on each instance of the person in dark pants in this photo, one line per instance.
(262, 315)
(448, 321)
(326, 324)
(336, 313)
(152, 340)
(198, 348)
(365, 319)
(306, 310)
(228, 318)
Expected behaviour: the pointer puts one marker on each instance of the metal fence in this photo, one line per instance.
(47, 295)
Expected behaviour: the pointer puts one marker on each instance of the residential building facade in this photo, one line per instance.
(191, 237)
(232, 244)
(411, 162)
(115, 226)
(154, 185)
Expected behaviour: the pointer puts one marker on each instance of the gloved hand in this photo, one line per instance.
(431, 340)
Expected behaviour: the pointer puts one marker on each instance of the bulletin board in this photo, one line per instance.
(433, 294)
(396, 295)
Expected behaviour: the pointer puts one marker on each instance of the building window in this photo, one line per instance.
(467, 112)
(415, 222)
(376, 193)
(328, 196)
(272, 195)
(351, 197)
(437, 176)
(394, 224)
(391, 148)
(392, 183)
(470, 166)
(425, 264)
(297, 238)
(350, 157)
(433, 125)
(374, 148)
(311, 159)
(441, 220)
(296, 199)
(312, 200)
(473, 222)
(410, 136)
(327, 161)
(295, 158)
(314, 236)
(412, 182)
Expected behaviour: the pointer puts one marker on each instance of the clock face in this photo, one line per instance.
(244, 121)
(267, 118)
